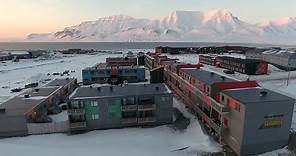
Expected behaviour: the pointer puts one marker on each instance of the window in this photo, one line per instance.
(237, 107)
(165, 98)
(128, 101)
(95, 116)
(75, 103)
(94, 103)
(222, 98)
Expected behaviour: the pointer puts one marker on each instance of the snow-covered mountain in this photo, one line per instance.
(210, 26)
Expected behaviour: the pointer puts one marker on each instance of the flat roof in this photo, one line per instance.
(241, 60)
(253, 95)
(60, 82)
(207, 76)
(19, 105)
(105, 66)
(104, 91)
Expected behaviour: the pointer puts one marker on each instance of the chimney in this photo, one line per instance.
(111, 88)
(223, 77)
(212, 73)
(26, 96)
(37, 90)
(263, 93)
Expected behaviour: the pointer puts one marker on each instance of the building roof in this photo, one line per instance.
(254, 95)
(105, 66)
(17, 52)
(117, 91)
(206, 76)
(19, 105)
(275, 51)
(240, 60)
(60, 82)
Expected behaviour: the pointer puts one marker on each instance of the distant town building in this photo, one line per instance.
(77, 51)
(102, 107)
(103, 73)
(4, 56)
(245, 66)
(122, 61)
(282, 58)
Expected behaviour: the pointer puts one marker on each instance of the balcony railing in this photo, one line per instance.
(146, 120)
(219, 107)
(146, 107)
(78, 125)
(76, 111)
(212, 124)
(131, 120)
(129, 107)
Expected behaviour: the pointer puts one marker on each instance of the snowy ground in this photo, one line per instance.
(17, 74)
(131, 141)
(158, 141)
(61, 117)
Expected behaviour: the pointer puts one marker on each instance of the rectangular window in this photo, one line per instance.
(95, 116)
(237, 107)
(94, 103)
(165, 98)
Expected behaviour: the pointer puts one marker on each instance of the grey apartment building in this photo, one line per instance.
(33, 106)
(258, 120)
(103, 107)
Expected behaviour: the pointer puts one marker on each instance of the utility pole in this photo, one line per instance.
(288, 74)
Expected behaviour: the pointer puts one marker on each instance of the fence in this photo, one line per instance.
(47, 128)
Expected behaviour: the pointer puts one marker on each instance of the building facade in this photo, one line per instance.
(104, 107)
(122, 61)
(282, 58)
(32, 106)
(240, 114)
(102, 73)
(244, 66)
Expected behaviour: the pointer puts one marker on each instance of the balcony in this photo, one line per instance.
(219, 107)
(126, 108)
(131, 120)
(78, 125)
(218, 128)
(76, 111)
(146, 107)
(146, 120)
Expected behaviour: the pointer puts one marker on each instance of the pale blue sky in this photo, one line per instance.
(20, 17)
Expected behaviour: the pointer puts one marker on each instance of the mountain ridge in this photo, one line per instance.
(210, 26)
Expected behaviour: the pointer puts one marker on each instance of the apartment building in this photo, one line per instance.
(240, 114)
(122, 61)
(32, 106)
(103, 73)
(282, 58)
(103, 107)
